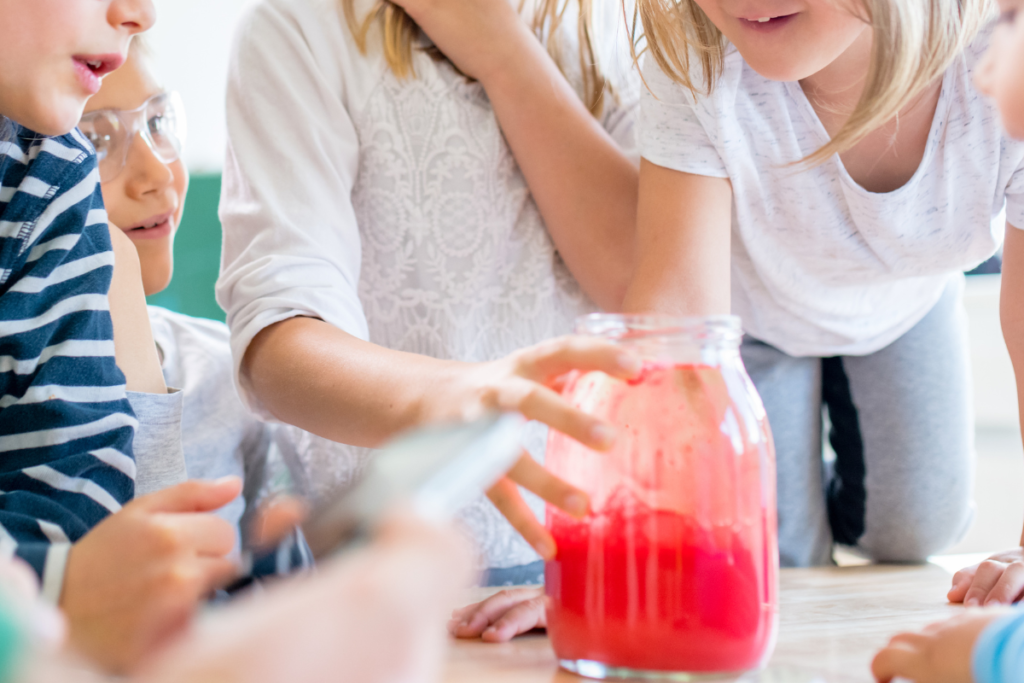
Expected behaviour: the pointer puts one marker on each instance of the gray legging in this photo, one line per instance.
(902, 430)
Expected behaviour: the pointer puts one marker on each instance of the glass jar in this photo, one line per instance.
(674, 572)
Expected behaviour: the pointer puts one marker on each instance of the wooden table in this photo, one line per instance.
(832, 621)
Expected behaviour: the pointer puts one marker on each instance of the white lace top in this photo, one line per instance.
(390, 208)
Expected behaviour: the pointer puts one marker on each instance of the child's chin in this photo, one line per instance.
(55, 122)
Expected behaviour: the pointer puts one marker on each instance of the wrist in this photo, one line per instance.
(997, 652)
(444, 394)
(517, 54)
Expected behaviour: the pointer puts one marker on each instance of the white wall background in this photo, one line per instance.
(192, 42)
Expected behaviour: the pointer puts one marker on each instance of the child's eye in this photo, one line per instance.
(1008, 16)
(101, 143)
(158, 124)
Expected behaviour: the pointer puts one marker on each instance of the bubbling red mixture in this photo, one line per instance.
(648, 587)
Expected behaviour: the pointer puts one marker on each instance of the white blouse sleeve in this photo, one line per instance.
(671, 133)
(291, 244)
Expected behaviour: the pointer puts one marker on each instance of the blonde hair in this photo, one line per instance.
(399, 33)
(914, 43)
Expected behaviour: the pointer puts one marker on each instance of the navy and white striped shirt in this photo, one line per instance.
(66, 426)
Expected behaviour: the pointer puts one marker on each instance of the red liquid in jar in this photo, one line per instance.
(689, 585)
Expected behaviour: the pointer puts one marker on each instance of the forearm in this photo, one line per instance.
(583, 184)
(683, 244)
(1011, 316)
(326, 381)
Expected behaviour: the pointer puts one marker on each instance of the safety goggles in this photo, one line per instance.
(160, 121)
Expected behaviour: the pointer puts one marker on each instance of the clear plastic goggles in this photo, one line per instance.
(160, 121)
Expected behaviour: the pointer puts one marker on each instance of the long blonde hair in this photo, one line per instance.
(914, 43)
(400, 32)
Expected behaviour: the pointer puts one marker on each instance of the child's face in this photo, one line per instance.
(146, 198)
(1001, 74)
(800, 39)
(53, 54)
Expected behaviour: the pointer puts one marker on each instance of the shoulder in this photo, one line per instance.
(729, 81)
(975, 51)
(314, 23)
(297, 47)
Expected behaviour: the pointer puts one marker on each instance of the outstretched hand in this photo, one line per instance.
(529, 382)
(940, 653)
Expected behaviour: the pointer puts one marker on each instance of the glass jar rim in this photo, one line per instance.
(723, 329)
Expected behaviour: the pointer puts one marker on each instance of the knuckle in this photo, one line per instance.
(181, 578)
(164, 535)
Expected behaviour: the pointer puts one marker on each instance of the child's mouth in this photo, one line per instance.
(766, 23)
(91, 68)
(154, 228)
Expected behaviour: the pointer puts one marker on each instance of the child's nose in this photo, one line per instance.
(135, 15)
(147, 172)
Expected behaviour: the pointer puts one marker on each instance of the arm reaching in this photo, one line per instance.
(1000, 579)
(940, 653)
(683, 241)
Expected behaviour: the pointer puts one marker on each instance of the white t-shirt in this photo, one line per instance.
(820, 266)
(391, 208)
(219, 436)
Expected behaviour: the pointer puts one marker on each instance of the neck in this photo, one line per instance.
(837, 87)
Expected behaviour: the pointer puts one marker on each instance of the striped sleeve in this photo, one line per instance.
(66, 426)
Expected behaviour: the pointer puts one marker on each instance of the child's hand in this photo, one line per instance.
(940, 653)
(369, 616)
(500, 617)
(999, 580)
(480, 37)
(135, 580)
(528, 382)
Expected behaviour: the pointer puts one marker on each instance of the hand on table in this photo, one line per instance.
(529, 381)
(370, 617)
(999, 580)
(940, 653)
(501, 617)
(136, 579)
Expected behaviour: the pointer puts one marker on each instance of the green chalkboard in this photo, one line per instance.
(196, 253)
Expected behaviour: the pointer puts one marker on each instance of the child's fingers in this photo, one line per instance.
(204, 535)
(896, 659)
(961, 582)
(480, 616)
(275, 520)
(506, 498)
(533, 477)
(1009, 587)
(557, 357)
(195, 495)
(521, 618)
(537, 402)
(216, 573)
(985, 579)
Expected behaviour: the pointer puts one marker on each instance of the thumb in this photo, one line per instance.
(195, 495)
(275, 520)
